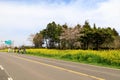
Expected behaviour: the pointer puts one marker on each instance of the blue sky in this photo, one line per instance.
(20, 18)
(38, 1)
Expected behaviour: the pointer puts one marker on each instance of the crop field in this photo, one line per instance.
(110, 58)
(106, 57)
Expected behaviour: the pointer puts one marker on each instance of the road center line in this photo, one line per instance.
(68, 70)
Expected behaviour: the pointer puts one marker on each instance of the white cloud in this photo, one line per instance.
(18, 21)
(108, 14)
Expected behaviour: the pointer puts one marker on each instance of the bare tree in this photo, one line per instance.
(31, 37)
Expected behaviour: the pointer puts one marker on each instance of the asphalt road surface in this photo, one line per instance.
(3, 74)
(24, 67)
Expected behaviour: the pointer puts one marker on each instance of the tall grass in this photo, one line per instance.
(109, 57)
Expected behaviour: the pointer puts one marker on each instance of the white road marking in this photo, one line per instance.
(1, 67)
(10, 78)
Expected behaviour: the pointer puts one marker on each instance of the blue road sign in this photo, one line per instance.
(8, 42)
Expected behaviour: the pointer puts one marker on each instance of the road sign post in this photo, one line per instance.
(9, 43)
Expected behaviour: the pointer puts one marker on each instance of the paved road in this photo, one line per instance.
(3, 74)
(24, 67)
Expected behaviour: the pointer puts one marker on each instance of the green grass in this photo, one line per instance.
(108, 58)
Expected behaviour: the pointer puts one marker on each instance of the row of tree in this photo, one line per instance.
(78, 37)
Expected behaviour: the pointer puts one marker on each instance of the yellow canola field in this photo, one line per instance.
(109, 57)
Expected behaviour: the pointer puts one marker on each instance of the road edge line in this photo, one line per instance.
(1, 67)
(10, 78)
